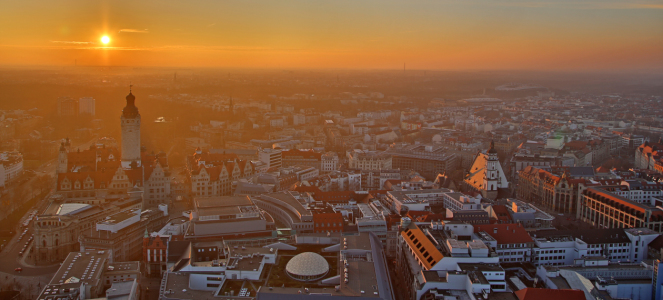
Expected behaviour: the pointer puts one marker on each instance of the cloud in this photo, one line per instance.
(129, 30)
(73, 42)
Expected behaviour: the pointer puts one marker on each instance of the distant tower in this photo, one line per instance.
(130, 133)
(492, 176)
(231, 107)
(62, 159)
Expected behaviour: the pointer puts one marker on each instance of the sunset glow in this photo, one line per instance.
(445, 34)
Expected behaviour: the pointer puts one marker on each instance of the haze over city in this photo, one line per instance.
(446, 34)
(331, 150)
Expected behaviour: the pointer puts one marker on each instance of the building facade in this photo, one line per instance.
(130, 123)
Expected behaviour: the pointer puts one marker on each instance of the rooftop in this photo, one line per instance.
(589, 236)
(307, 264)
(71, 208)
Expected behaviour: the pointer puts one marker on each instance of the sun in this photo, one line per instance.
(105, 40)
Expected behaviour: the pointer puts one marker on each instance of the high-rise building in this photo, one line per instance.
(67, 107)
(130, 133)
(86, 106)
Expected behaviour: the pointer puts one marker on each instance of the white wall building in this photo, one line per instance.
(11, 166)
(329, 162)
(271, 157)
(86, 106)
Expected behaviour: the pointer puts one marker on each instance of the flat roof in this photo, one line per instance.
(82, 265)
(480, 267)
(222, 201)
(123, 267)
(358, 241)
(72, 208)
(290, 200)
(119, 217)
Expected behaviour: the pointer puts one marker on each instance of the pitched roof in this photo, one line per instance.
(549, 294)
(422, 247)
(502, 213)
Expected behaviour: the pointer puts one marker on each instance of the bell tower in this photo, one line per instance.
(492, 173)
(62, 159)
(130, 133)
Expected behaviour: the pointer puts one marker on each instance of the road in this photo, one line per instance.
(9, 257)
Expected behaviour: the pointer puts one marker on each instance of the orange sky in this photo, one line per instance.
(430, 34)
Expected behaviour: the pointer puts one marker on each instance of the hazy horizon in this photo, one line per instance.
(424, 35)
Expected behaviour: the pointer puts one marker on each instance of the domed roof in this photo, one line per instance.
(130, 111)
(307, 264)
(492, 148)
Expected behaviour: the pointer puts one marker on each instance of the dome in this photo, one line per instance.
(492, 148)
(307, 266)
(130, 111)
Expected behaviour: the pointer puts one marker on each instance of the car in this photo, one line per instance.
(18, 269)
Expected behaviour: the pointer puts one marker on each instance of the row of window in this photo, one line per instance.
(550, 251)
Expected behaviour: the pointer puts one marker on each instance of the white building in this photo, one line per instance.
(486, 175)
(11, 166)
(271, 157)
(460, 201)
(462, 267)
(419, 200)
(368, 160)
(86, 106)
(568, 247)
(298, 119)
(329, 162)
(130, 133)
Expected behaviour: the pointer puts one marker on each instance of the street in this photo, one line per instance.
(9, 256)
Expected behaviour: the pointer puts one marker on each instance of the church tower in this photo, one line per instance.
(62, 159)
(492, 172)
(130, 133)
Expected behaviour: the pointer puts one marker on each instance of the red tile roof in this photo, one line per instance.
(415, 214)
(506, 233)
(502, 213)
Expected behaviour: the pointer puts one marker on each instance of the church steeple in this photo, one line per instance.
(492, 148)
(130, 133)
(130, 111)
